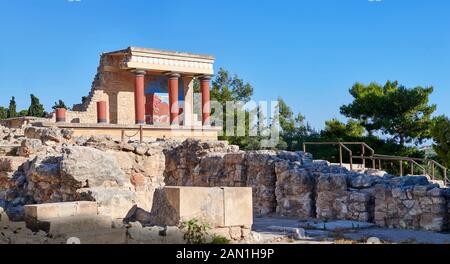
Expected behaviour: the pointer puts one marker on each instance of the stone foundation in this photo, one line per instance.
(53, 165)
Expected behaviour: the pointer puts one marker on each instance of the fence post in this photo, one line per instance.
(379, 164)
(141, 134)
(304, 147)
(363, 154)
(340, 154)
(412, 168)
(445, 176)
(433, 170)
(351, 161)
(401, 167)
(123, 136)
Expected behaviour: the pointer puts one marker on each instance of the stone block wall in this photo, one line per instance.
(116, 89)
(415, 206)
(57, 167)
(292, 184)
(294, 191)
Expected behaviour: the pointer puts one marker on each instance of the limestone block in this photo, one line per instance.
(73, 224)
(57, 210)
(218, 207)
(238, 207)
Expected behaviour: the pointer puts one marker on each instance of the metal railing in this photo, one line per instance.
(373, 157)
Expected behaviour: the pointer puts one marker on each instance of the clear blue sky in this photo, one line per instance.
(308, 52)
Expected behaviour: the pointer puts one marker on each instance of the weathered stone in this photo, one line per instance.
(140, 150)
(11, 164)
(138, 180)
(44, 134)
(29, 147)
(4, 219)
(373, 241)
(432, 222)
(115, 202)
(363, 181)
(435, 192)
(294, 190)
(80, 163)
(420, 190)
(137, 214)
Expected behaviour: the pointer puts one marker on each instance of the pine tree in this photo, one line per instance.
(36, 108)
(12, 109)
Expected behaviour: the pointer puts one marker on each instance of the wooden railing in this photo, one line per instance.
(414, 162)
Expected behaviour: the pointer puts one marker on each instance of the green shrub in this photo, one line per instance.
(220, 240)
(196, 232)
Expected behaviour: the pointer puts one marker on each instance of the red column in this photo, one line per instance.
(173, 98)
(139, 97)
(206, 105)
(60, 115)
(101, 112)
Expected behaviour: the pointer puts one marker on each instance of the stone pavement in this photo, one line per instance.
(342, 230)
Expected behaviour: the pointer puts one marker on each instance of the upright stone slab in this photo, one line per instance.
(238, 207)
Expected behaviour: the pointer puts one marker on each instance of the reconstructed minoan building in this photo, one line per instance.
(149, 89)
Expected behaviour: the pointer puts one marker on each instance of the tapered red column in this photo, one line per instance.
(173, 98)
(101, 112)
(60, 115)
(139, 97)
(206, 105)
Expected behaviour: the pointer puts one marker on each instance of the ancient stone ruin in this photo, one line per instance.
(126, 180)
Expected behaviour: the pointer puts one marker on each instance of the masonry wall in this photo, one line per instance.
(292, 184)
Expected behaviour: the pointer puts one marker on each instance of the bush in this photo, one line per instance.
(196, 232)
(220, 240)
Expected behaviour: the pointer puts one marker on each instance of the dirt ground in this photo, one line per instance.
(280, 230)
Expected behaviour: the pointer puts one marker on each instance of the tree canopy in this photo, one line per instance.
(335, 129)
(59, 104)
(3, 113)
(231, 88)
(393, 109)
(36, 109)
(226, 87)
(12, 108)
(440, 131)
(293, 127)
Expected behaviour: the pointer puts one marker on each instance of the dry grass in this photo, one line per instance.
(345, 242)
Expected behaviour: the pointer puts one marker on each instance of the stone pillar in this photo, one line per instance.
(206, 105)
(101, 112)
(139, 97)
(173, 98)
(188, 87)
(60, 115)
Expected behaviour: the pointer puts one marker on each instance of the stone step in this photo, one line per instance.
(110, 236)
(72, 224)
(57, 210)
